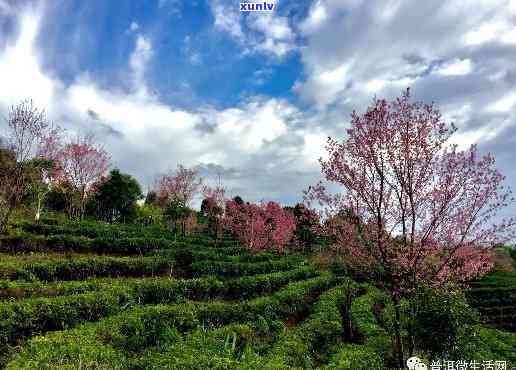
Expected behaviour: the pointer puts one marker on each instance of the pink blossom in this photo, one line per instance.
(411, 204)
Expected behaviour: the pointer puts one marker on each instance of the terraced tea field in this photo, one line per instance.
(495, 298)
(104, 297)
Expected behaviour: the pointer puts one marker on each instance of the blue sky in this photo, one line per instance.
(192, 65)
(253, 96)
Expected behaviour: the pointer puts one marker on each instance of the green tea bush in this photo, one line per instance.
(80, 244)
(306, 344)
(23, 318)
(22, 289)
(366, 326)
(441, 318)
(156, 325)
(355, 357)
(485, 344)
(215, 349)
(81, 268)
(230, 269)
(160, 290)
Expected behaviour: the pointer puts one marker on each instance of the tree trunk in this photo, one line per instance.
(411, 338)
(38, 209)
(397, 332)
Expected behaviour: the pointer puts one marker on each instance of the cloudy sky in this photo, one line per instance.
(253, 96)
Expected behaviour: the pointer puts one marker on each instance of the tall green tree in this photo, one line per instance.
(116, 196)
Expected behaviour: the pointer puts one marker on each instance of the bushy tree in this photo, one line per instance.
(116, 196)
(151, 198)
(179, 216)
(24, 158)
(148, 214)
(180, 186)
(423, 211)
(81, 163)
(212, 212)
(266, 226)
(307, 226)
(57, 198)
(212, 207)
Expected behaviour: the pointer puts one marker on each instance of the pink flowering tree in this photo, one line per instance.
(81, 163)
(266, 226)
(412, 205)
(180, 186)
(26, 158)
(212, 207)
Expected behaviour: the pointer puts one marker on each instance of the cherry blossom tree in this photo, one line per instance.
(266, 226)
(181, 186)
(26, 158)
(412, 206)
(307, 226)
(212, 207)
(81, 163)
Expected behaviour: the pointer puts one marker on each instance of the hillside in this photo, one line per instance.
(98, 296)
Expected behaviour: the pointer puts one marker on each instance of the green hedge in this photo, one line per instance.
(81, 268)
(365, 325)
(29, 317)
(92, 229)
(157, 290)
(306, 345)
(215, 349)
(489, 344)
(36, 289)
(24, 317)
(80, 244)
(355, 357)
(230, 269)
(97, 230)
(156, 325)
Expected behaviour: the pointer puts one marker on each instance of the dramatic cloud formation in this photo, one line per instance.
(266, 142)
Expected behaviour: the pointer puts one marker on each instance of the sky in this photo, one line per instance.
(252, 97)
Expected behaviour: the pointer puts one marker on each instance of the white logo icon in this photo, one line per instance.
(414, 363)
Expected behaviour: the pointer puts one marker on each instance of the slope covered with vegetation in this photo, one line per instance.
(98, 296)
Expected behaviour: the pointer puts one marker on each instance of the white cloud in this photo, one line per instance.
(498, 29)
(20, 74)
(503, 105)
(267, 32)
(375, 85)
(145, 136)
(139, 59)
(227, 18)
(317, 16)
(278, 36)
(455, 68)
(134, 26)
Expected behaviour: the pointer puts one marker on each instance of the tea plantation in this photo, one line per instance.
(98, 296)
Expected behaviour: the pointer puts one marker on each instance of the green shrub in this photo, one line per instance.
(81, 268)
(154, 325)
(68, 351)
(81, 244)
(484, 344)
(214, 349)
(161, 290)
(355, 357)
(306, 344)
(366, 326)
(23, 318)
(230, 269)
(23, 289)
(441, 317)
